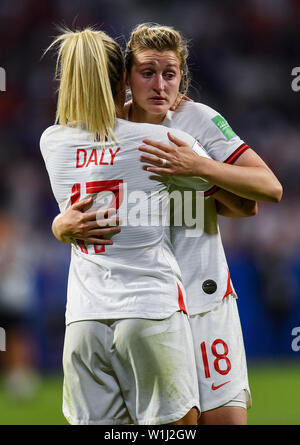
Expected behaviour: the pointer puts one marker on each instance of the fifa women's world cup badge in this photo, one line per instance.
(2, 79)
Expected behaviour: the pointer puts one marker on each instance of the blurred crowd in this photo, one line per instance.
(241, 58)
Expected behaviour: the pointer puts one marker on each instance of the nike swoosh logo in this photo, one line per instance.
(213, 387)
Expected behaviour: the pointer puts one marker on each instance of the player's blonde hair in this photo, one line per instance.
(89, 67)
(161, 38)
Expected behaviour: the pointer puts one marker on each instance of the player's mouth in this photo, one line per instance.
(157, 99)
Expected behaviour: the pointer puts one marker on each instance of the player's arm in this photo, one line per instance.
(249, 177)
(77, 223)
(233, 206)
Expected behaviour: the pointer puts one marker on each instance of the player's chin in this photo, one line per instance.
(158, 109)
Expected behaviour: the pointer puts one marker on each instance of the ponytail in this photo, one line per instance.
(89, 68)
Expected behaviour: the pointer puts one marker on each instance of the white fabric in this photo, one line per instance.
(220, 355)
(202, 258)
(138, 275)
(129, 371)
(241, 400)
(196, 119)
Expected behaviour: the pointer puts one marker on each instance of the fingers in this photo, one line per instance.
(101, 232)
(177, 102)
(100, 214)
(159, 178)
(102, 222)
(154, 152)
(99, 241)
(106, 213)
(83, 204)
(110, 222)
(158, 170)
(157, 162)
(97, 236)
(89, 216)
(164, 147)
(175, 140)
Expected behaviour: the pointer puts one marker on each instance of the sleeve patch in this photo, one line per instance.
(224, 127)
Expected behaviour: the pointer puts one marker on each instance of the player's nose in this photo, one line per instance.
(158, 83)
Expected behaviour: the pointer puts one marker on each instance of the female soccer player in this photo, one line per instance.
(156, 62)
(128, 352)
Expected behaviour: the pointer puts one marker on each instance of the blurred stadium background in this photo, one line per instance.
(241, 58)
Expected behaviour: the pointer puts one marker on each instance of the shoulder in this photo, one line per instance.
(147, 131)
(58, 132)
(47, 137)
(138, 127)
(195, 109)
(53, 133)
(57, 135)
(193, 117)
(138, 131)
(190, 114)
(201, 121)
(48, 132)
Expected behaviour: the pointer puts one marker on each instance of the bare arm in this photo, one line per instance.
(234, 206)
(249, 177)
(77, 223)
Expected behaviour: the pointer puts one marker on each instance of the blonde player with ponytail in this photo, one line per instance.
(128, 353)
(87, 92)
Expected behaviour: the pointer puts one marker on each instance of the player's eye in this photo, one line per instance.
(169, 75)
(147, 73)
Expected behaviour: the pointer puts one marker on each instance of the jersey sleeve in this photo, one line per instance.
(55, 157)
(216, 135)
(193, 182)
(45, 147)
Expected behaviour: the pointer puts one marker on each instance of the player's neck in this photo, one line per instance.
(120, 112)
(119, 106)
(138, 114)
(120, 100)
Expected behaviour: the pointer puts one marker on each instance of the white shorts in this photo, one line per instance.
(129, 371)
(220, 357)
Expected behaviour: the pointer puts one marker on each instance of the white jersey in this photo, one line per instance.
(138, 275)
(202, 259)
